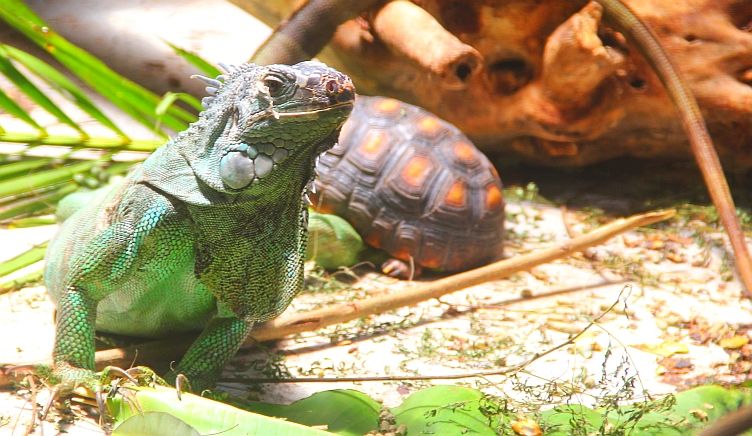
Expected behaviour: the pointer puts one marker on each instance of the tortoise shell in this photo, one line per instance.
(413, 185)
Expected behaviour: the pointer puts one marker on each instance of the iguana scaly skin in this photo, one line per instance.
(209, 232)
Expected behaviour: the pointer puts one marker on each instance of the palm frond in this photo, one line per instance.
(31, 186)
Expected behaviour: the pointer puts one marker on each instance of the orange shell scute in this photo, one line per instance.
(429, 125)
(464, 151)
(457, 194)
(416, 171)
(387, 105)
(374, 143)
(494, 198)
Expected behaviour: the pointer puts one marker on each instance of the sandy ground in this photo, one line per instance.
(661, 308)
(675, 306)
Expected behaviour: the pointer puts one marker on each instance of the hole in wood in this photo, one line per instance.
(509, 75)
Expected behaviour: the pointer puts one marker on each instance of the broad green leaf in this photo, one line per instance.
(63, 84)
(154, 423)
(571, 419)
(444, 410)
(344, 412)
(34, 93)
(10, 106)
(204, 415)
(196, 60)
(332, 241)
(693, 410)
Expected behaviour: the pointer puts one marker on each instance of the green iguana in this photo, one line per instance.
(209, 232)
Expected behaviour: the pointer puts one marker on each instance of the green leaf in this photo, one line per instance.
(203, 414)
(33, 221)
(22, 166)
(28, 183)
(344, 412)
(133, 99)
(196, 60)
(444, 410)
(10, 106)
(66, 87)
(117, 143)
(332, 241)
(31, 90)
(154, 423)
(29, 257)
(169, 99)
(21, 282)
(694, 409)
(563, 420)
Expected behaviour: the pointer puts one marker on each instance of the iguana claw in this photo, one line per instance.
(181, 379)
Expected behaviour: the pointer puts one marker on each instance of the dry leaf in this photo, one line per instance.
(734, 342)
(526, 427)
(665, 348)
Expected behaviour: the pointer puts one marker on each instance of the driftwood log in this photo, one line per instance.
(547, 80)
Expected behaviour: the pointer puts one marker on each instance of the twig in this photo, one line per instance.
(514, 369)
(34, 406)
(316, 319)
(340, 313)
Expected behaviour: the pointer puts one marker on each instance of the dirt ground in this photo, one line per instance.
(661, 309)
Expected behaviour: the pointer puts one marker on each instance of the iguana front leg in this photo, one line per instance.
(209, 353)
(73, 353)
(118, 250)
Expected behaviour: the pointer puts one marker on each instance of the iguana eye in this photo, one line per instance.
(275, 85)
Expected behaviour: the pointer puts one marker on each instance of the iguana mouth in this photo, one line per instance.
(243, 164)
(344, 105)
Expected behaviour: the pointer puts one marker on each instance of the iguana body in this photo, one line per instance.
(209, 232)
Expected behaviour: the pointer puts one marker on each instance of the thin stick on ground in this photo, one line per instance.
(316, 319)
(504, 371)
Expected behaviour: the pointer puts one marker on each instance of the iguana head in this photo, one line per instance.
(264, 124)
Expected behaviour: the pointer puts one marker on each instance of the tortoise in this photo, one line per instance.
(414, 186)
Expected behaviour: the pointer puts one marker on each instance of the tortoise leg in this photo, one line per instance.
(401, 269)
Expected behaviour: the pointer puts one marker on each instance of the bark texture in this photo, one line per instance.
(550, 81)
